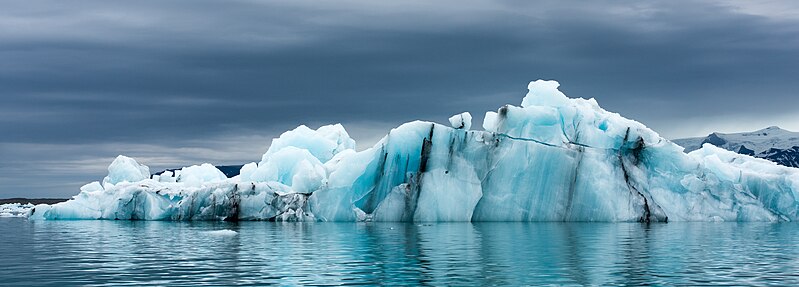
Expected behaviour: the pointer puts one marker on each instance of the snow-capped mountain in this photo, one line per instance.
(772, 143)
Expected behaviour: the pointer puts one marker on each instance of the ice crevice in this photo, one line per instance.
(553, 158)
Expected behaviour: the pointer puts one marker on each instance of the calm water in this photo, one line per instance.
(114, 253)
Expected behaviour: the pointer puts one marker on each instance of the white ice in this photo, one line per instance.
(15, 209)
(125, 169)
(461, 121)
(223, 232)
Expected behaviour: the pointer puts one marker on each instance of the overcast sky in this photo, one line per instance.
(174, 83)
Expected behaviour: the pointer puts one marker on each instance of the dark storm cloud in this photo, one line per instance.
(177, 83)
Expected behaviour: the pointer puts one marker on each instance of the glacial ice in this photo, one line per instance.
(322, 143)
(15, 209)
(125, 169)
(461, 121)
(551, 159)
(223, 232)
(199, 174)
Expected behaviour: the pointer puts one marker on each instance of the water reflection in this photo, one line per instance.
(113, 253)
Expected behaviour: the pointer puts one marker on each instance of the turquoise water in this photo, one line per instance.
(118, 253)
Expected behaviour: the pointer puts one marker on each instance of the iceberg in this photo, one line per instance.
(553, 158)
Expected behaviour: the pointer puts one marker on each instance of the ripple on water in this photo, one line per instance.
(119, 253)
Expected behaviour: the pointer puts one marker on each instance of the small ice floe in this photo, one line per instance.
(223, 232)
(15, 209)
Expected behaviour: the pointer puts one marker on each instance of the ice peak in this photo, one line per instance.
(125, 169)
(769, 131)
(544, 93)
(461, 121)
(323, 143)
(772, 129)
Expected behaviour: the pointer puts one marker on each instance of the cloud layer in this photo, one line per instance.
(182, 82)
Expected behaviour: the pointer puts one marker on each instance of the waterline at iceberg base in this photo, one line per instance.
(551, 159)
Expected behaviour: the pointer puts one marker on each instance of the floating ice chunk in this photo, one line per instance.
(15, 209)
(322, 143)
(199, 174)
(223, 232)
(461, 121)
(125, 169)
(554, 159)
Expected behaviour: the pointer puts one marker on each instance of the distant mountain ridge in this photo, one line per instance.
(772, 143)
(23, 200)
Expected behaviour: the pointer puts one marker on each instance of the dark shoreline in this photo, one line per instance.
(32, 200)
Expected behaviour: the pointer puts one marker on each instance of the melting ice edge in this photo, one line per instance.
(551, 159)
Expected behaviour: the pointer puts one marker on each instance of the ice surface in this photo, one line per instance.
(322, 143)
(490, 121)
(245, 174)
(461, 121)
(551, 159)
(294, 167)
(223, 232)
(199, 174)
(15, 209)
(125, 169)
